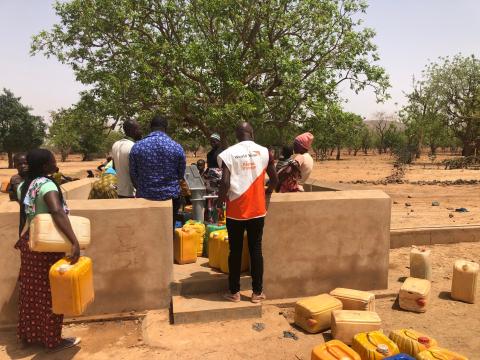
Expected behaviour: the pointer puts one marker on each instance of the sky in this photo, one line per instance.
(409, 34)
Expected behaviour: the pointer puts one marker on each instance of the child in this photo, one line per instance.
(20, 163)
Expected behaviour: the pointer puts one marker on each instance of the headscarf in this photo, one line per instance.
(304, 140)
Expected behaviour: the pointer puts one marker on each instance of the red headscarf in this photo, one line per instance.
(305, 140)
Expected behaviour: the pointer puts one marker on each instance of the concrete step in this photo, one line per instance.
(212, 307)
(199, 278)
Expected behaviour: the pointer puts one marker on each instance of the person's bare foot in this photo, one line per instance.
(66, 343)
(232, 297)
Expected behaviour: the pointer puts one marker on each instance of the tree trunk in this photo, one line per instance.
(64, 155)
(365, 151)
(338, 153)
(433, 149)
(355, 152)
(467, 149)
(331, 151)
(10, 160)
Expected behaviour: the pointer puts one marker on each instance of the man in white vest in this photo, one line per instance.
(242, 187)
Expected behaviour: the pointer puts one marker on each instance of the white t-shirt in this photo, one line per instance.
(247, 163)
(307, 167)
(120, 153)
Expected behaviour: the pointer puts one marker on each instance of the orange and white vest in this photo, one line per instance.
(247, 163)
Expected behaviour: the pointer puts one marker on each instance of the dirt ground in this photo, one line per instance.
(455, 325)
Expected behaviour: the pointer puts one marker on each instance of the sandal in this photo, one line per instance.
(258, 298)
(232, 297)
(66, 343)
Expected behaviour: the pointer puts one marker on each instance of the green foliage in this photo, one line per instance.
(208, 64)
(19, 130)
(63, 133)
(334, 128)
(81, 129)
(446, 104)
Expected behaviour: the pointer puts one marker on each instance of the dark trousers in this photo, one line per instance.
(236, 229)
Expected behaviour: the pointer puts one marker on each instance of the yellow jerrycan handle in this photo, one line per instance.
(334, 352)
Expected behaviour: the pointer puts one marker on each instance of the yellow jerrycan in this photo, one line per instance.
(71, 286)
(213, 248)
(420, 265)
(464, 281)
(374, 345)
(185, 246)
(224, 251)
(334, 350)
(437, 353)
(411, 342)
(314, 314)
(199, 228)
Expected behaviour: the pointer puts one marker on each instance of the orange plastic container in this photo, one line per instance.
(71, 286)
(334, 350)
(437, 353)
(185, 246)
(411, 342)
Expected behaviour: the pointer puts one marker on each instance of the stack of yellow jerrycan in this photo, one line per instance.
(213, 246)
(224, 251)
(334, 350)
(411, 342)
(71, 286)
(464, 281)
(45, 236)
(347, 323)
(199, 228)
(437, 353)
(355, 299)
(374, 345)
(314, 314)
(185, 246)
(414, 294)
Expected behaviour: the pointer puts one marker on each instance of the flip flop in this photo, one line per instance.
(66, 343)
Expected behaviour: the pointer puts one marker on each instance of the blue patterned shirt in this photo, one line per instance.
(157, 163)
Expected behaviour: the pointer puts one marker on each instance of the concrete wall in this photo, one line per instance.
(434, 235)
(314, 242)
(78, 190)
(131, 251)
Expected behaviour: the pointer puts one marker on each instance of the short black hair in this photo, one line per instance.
(129, 124)
(201, 161)
(287, 152)
(159, 122)
(17, 156)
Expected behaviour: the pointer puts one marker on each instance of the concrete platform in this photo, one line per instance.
(212, 307)
(199, 278)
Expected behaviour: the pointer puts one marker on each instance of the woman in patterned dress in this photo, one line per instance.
(38, 194)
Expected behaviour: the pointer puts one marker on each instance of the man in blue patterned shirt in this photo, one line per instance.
(157, 164)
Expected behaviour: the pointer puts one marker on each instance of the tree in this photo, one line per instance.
(19, 130)
(90, 125)
(334, 126)
(208, 64)
(63, 133)
(424, 119)
(456, 84)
